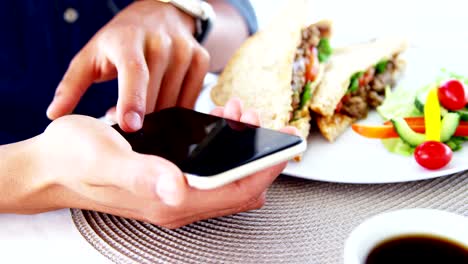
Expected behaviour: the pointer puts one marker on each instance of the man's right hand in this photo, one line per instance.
(86, 164)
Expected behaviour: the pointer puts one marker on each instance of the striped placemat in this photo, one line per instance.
(302, 222)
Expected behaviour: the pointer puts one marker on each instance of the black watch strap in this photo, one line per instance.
(203, 25)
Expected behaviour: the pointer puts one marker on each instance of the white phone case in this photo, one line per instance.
(218, 180)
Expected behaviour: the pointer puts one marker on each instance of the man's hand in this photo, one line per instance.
(86, 164)
(150, 48)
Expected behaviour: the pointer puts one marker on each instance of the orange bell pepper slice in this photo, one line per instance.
(419, 120)
(388, 131)
(462, 131)
(385, 131)
(410, 120)
(381, 132)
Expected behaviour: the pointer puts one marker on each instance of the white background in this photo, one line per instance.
(52, 237)
(442, 23)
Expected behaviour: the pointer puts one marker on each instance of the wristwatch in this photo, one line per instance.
(201, 11)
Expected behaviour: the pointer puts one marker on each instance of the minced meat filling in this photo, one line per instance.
(358, 103)
(310, 38)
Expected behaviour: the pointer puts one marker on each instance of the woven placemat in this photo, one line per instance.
(302, 222)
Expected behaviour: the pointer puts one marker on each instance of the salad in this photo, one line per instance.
(429, 123)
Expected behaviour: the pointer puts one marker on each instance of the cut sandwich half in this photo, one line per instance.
(308, 69)
(355, 82)
(277, 70)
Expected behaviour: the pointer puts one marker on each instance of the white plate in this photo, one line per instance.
(354, 159)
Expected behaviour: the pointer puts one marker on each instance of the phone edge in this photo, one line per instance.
(218, 180)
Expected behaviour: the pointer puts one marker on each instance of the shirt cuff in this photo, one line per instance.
(246, 10)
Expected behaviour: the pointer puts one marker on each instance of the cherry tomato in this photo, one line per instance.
(452, 95)
(312, 68)
(433, 155)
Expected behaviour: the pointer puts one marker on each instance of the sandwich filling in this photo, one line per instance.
(313, 50)
(366, 90)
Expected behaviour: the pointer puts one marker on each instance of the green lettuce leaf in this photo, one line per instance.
(306, 95)
(354, 83)
(397, 146)
(324, 50)
(381, 66)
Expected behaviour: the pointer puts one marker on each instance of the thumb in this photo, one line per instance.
(111, 115)
(158, 178)
(291, 130)
(74, 84)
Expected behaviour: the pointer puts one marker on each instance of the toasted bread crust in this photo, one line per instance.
(259, 73)
(333, 126)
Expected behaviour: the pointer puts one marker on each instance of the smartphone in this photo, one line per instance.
(211, 151)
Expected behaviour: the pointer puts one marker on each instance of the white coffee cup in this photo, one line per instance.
(398, 223)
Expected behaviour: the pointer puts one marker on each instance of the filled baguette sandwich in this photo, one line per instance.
(355, 82)
(277, 70)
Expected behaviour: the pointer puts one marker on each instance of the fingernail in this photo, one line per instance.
(167, 190)
(49, 110)
(133, 120)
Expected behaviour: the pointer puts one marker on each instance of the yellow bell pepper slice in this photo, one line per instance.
(432, 116)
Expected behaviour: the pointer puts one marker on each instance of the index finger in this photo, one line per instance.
(76, 80)
(133, 79)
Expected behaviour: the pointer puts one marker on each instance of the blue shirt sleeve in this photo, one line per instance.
(245, 9)
(38, 40)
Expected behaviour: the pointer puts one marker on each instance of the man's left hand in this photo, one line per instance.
(150, 48)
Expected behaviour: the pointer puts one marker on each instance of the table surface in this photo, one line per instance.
(50, 237)
(53, 237)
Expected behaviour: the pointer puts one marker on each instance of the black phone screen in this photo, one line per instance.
(204, 145)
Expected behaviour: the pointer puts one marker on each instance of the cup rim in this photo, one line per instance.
(376, 229)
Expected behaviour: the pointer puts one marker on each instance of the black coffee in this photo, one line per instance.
(418, 249)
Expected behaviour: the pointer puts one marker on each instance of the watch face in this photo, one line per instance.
(201, 11)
